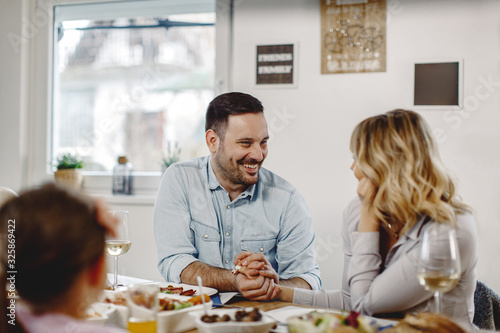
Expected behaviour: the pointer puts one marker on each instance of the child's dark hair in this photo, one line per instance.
(56, 235)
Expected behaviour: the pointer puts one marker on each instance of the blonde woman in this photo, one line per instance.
(403, 189)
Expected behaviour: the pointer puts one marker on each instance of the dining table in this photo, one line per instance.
(236, 300)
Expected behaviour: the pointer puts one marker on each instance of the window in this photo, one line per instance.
(132, 78)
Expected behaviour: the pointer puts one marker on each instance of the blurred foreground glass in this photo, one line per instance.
(119, 245)
(142, 304)
(439, 261)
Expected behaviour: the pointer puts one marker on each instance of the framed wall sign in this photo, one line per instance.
(353, 34)
(275, 65)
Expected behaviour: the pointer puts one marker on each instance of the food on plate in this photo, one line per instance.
(165, 304)
(142, 298)
(118, 299)
(197, 299)
(92, 314)
(242, 315)
(215, 318)
(326, 322)
(425, 322)
(168, 304)
(177, 290)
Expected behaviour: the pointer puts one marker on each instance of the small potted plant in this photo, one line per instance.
(69, 170)
(171, 156)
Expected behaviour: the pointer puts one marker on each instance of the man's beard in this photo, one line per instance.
(235, 174)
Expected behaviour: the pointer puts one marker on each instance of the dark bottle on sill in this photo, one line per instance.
(122, 176)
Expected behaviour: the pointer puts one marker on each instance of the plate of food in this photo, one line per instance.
(174, 309)
(232, 320)
(184, 289)
(331, 322)
(426, 322)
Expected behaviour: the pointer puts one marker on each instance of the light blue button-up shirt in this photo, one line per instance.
(194, 219)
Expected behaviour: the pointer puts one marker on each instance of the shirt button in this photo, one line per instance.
(261, 249)
(206, 236)
(227, 206)
(227, 261)
(227, 234)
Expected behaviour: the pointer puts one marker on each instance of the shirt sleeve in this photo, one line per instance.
(373, 292)
(174, 238)
(295, 252)
(322, 298)
(350, 223)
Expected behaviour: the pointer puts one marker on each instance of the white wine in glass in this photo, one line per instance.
(119, 245)
(438, 282)
(439, 261)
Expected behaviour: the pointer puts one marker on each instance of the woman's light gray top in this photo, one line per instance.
(372, 287)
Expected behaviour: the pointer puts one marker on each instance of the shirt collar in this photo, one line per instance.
(414, 232)
(214, 183)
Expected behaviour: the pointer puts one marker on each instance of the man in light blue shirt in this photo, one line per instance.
(210, 209)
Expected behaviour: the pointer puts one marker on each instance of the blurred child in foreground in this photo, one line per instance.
(59, 238)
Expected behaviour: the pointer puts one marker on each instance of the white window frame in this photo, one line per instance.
(42, 84)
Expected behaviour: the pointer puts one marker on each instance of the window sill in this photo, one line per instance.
(129, 200)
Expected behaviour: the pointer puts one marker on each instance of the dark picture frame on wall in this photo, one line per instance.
(438, 84)
(276, 65)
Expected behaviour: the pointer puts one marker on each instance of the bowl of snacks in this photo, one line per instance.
(174, 309)
(329, 322)
(232, 320)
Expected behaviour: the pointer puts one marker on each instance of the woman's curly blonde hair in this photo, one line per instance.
(397, 152)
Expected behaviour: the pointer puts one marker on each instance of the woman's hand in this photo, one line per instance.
(368, 221)
(366, 190)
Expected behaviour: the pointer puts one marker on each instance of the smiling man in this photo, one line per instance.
(211, 209)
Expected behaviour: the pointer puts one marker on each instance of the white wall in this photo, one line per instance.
(311, 150)
(141, 260)
(313, 122)
(13, 94)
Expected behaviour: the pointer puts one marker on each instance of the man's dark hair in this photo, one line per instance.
(225, 105)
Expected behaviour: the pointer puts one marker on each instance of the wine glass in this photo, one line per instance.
(439, 261)
(119, 245)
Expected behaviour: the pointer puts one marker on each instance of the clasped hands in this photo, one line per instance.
(255, 277)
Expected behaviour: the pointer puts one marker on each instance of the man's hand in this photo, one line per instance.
(258, 264)
(255, 266)
(258, 280)
(257, 288)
